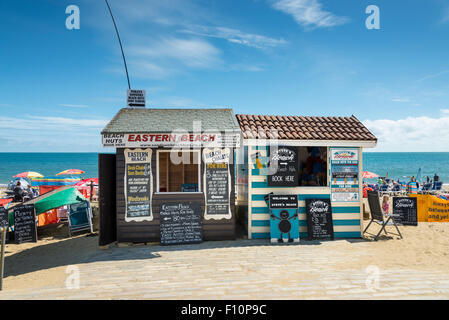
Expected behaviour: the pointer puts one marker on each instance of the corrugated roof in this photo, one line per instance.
(303, 128)
(146, 120)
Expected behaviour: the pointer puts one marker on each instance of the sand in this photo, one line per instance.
(43, 264)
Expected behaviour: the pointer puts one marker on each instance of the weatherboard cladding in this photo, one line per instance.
(146, 120)
(303, 128)
(346, 216)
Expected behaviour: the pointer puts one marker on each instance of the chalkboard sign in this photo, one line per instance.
(4, 219)
(405, 211)
(25, 224)
(217, 188)
(138, 184)
(283, 164)
(319, 219)
(181, 222)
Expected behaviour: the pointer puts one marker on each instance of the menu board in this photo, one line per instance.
(25, 224)
(181, 222)
(283, 167)
(344, 164)
(4, 218)
(405, 211)
(319, 219)
(217, 183)
(138, 184)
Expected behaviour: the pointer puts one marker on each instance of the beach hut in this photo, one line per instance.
(309, 157)
(171, 178)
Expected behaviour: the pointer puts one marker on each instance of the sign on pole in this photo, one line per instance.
(135, 98)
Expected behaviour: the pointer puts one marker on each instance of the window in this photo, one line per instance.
(313, 166)
(178, 171)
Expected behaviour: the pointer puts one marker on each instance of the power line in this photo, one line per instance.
(120, 42)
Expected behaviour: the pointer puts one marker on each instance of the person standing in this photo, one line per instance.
(436, 178)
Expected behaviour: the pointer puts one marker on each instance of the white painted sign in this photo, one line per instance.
(149, 140)
(135, 98)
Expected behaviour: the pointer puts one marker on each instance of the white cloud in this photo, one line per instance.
(235, 36)
(400, 99)
(412, 134)
(435, 75)
(445, 111)
(73, 105)
(193, 53)
(309, 13)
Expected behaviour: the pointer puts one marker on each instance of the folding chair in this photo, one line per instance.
(80, 217)
(377, 216)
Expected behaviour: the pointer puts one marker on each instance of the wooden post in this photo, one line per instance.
(2, 256)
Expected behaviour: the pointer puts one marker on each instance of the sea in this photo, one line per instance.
(398, 165)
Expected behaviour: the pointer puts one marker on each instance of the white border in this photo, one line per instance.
(138, 219)
(218, 216)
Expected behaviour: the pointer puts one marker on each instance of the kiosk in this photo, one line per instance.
(310, 157)
(174, 174)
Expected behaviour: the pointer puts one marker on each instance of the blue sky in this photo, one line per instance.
(59, 87)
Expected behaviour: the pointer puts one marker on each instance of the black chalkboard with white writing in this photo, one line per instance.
(25, 224)
(286, 201)
(4, 219)
(319, 219)
(405, 211)
(181, 222)
(284, 164)
(217, 188)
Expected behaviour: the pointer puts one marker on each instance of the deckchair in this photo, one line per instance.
(80, 217)
(377, 216)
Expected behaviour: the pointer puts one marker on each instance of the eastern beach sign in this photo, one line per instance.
(138, 185)
(174, 139)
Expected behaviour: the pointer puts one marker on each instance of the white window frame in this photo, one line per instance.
(198, 151)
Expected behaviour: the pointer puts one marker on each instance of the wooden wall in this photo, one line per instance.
(148, 231)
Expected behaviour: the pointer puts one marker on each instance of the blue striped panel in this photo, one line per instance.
(256, 210)
(257, 148)
(303, 223)
(301, 197)
(304, 235)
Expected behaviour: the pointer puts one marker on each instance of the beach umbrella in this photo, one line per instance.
(86, 182)
(369, 175)
(70, 172)
(28, 174)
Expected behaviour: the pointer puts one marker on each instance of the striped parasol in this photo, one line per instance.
(70, 172)
(28, 174)
(369, 175)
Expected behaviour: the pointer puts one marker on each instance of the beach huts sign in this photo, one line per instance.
(283, 164)
(174, 139)
(344, 173)
(217, 182)
(135, 98)
(138, 185)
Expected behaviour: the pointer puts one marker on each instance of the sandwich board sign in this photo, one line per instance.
(135, 98)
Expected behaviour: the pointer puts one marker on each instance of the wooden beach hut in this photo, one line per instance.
(168, 162)
(322, 159)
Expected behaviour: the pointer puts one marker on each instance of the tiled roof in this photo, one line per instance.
(146, 120)
(303, 128)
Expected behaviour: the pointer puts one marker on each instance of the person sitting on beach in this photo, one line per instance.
(18, 192)
(386, 205)
(31, 192)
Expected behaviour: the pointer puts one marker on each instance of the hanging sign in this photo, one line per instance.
(25, 224)
(135, 98)
(181, 223)
(319, 219)
(344, 174)
(217, 183)
(283, 164)
(138, 185)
